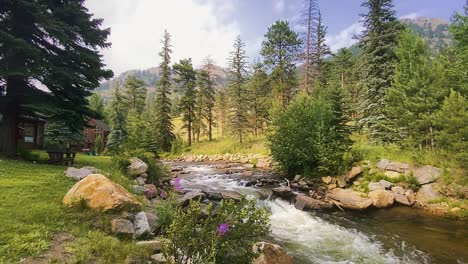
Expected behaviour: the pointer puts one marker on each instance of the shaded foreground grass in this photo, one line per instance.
(31, 212)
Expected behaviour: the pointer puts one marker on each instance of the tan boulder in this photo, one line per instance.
(100, 193)
(382, 198)
(271, 254)
(350, 199)
(308, 203)
(327, 179)
(355, 171)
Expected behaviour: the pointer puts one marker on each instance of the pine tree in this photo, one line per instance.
(377, 43)
(134, 94)
(163, 124)
(280, 50)
(237, 67)
(259, 103)
(186, 79)
(345, 65)
(96, 104)
(118, 121)
(416, 93)
(319, 51)
(206, 90)
(221, 110)
(57, 44)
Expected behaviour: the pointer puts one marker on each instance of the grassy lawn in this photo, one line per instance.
(31, 212)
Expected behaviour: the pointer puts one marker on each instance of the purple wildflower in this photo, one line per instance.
(222, 229)
(149, 193)
(162, 194)
(177, 185)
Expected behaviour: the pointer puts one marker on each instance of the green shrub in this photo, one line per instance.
(99, 145)
(121, 162)
(177, 146)
(224, 235)
(307, 138)
(25, 153)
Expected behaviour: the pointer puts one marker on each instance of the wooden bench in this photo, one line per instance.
(66, 157)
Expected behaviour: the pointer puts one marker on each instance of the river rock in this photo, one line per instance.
(77, 174)
(341, 182)
(398, 167)
(355, 171)
(382, 164)
(140, 180)
(426, 193)
(382, 198)
(402, 199)
(386, 184)
(271, 254)
(398, 190)
(154, 245)
(350, 199)
(427, 174)
(192, 195)
(327, 179)
(392, 174)
(158, 259)
(137, 167)
(213, 195)
(282, 191)
(297, 178)
(141, 225)
(410, 195)
(122, 228)
(231, 195)
(151, 191)
(100, 193)
(375, 186)
(308, 203)
(152, 221)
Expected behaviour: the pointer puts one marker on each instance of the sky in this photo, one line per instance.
(202, 28)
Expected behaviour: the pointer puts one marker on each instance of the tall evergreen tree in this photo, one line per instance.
(56, 44)
(118, 121)
(319, 51)
(163, 124)
(221, 110)
(186, 78)
(345, 65)
(237, 67)
(207, 91)
(377, 43)
(308, 20)
(280, 50)
(259, 103)
(96, 104)
(135, 94)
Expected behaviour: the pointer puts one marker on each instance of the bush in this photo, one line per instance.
(25, 153)
(224, 235)
(307, 139)
(155, 171)
(177, 146)
(99, 145)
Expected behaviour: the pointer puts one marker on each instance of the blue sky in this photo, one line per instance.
(208, 27)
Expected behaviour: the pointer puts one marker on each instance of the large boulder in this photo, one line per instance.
(308, 203)
(271, 254)
(427, 193)
(122, 228)
(141, 225)
(78, 174)
(382, 198)
(375, 186)
(231, 195)
(355, 171)
(399, 167)
(402, 199)
(350, 199)
(382, 164)
(282, 191)
(189, 196)
(154, 245)
(100, 193)
(427, 174)
(137, 167)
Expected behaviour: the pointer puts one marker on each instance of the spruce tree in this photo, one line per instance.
(237, 68)
(259, 103)
(118, 121)
(96, 104)
(345, 65)
(134, 94)
(186, 79)
(280, 51)
(55, 43)
(163, 122)
(319, 51)
(308, 34)
(206, 90)
(221, 110)
(377, 43)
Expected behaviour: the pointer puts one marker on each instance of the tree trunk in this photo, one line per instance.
(8, 128)
(210, 134)
(189, 133)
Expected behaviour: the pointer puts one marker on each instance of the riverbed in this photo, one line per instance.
(395, 235)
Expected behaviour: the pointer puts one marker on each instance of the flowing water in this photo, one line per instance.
(396, 235)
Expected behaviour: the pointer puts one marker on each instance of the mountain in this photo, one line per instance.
(434, 30)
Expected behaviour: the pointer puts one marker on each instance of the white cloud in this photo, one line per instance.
(413, 15)
(198, 29)
(345, 38)
(279, 6)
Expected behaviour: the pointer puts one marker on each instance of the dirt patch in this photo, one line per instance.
(56, 252)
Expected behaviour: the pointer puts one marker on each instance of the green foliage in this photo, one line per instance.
(59, 135)
(206, 94)
(197, 233)
(25, 153)
(177, 147)
(96, 104)
(280, 50)
(306, 137)
(118, 122)
(237, 89)
(99, 145)
(121, 162)
(259, 91)
(134, 94)
(163, 125)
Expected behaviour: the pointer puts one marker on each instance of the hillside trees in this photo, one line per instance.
(134, 94)
(280, 51)
(377, 43)
(186, 78)
(118, 120)
(237, 88)
(207, 91)
(162, 105)
(259, 92)
(53, 45)
(96, 104)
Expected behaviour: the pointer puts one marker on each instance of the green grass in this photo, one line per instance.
(31, 209)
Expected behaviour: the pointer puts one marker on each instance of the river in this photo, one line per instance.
(395, 235)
